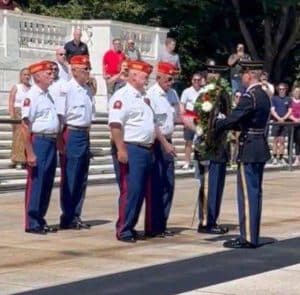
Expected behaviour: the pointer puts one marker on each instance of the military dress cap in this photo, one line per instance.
(141, 66)
(44, 65)
(80, 60)
(167, 68)
(212, 67)
(252, 65)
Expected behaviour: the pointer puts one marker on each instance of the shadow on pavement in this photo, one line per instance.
(186, 275)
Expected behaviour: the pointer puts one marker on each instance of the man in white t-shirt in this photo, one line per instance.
(187, 102)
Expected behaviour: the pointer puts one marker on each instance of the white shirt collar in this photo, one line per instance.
(136, 92)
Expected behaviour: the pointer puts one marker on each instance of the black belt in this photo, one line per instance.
(46, 135)
(78, 128)
(142, 145)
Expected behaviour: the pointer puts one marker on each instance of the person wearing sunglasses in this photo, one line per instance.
(63, 66)
(131, 123)
(165, 104)
(40, 125)
(280, 111)
(187, 102)
(75, 155)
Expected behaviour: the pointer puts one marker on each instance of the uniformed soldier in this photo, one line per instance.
(251, 117)
(40, 126)
(165, 104)
(131, 121)
(79, 112)
(212, 176)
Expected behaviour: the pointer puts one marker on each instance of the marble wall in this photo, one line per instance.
(25, 38)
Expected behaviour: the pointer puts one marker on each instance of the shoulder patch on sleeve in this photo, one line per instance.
(26, 102)
(117, 105)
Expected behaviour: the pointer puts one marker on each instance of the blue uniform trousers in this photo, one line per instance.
(75, 167)
(163, 183)
(211, 192)
(249, 190)
(40, 181)
(135, 185)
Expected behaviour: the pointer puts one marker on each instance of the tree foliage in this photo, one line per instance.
(203, 28)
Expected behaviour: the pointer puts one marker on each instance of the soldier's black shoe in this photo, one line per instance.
(127, 240)
(36, 231)
(214, 230)
(81, 224)
(239, 244)
(50, 229)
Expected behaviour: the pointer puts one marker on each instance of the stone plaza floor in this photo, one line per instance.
(94, 262)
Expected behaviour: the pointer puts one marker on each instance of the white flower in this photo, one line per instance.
(210, 87)
(199, 130)
(207, 106)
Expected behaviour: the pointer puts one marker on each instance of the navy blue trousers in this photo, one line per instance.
(163, 183)
(135, 185)
(249, 191)
(40, 182)
(74, 168)
(211, 192)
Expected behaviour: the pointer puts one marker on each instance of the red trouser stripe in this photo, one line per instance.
(28, 190)
(123, 196)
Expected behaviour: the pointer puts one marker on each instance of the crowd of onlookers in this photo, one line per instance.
(285, 101)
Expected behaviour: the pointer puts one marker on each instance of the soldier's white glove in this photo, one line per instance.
(221, 116)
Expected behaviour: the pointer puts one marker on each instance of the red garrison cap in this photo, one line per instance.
(80, 60)
(44, 65)
(140, 66)
(167, 68)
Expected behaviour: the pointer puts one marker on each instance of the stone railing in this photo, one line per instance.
(25, 38)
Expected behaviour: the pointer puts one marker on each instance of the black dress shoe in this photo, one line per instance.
(214, 230)
(127, 240)
(239, 244)
(50, 229)
(81, 224)
(169, 233)
(139, 235)
(36, 231)
(155, 235)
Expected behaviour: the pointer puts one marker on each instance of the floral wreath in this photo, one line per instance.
(205, 110)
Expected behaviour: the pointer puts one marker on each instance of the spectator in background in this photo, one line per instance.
(112, 61)
(9, 5)
(16, 96)
(76, 46)
(169, 55)
(63, 67)
(235, 68)
(295, 117)
(187, 102)
(131, 52)
(266, 85)
(281, 111)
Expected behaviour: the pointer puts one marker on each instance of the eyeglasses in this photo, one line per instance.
(281, 89)
(87, 69)
(196, 80)
(61, 54)
(170, 79)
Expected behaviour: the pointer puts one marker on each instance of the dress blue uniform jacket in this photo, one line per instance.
(250, 117)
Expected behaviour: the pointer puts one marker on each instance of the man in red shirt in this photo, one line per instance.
(112, 60)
